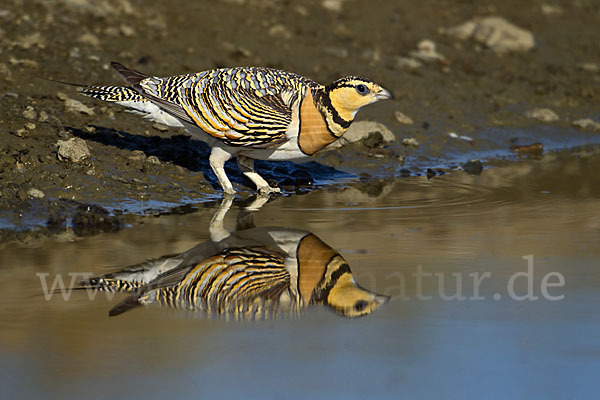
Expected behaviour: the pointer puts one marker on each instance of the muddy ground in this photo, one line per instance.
(136, 168)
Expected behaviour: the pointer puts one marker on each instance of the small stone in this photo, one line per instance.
(35, 193)
(74, 150)
(462, 31)
(153, 160)
(587, 124)
(23, 62)
(160, 127)
(43, 116)
(62, 96)
(404, 172)
(496, 33)
(127, 30)
(542, 114)
(403, 118)
(30, 126)
(473, 167)
(76, 106)
(29, 113)
(408, 63)
(137, 155)
(90, 39)
(32, 40)
(21, 132)
(551, 9)
(427, 53)
(361, 130)
(280, 31)
(333, 5)
(410, 142)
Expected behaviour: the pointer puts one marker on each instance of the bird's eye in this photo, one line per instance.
(360, 305)
(362, 89)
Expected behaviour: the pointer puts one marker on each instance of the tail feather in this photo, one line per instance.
(132, 77)
(112, 93)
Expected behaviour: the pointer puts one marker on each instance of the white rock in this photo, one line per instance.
(587, 124)
(463, 31)
(76, 106)
(35, 193)
(551, 9)
(360, 130)
(333, 5)
(410, 142)
(74, 149)
(280, 31)
(403, 118)
(89, 38)
(426, 52)
(408, 63)
(542, 114)
(29, 113)
(496, 33)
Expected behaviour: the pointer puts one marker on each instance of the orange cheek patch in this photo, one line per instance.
(313, 256)
(313, 135)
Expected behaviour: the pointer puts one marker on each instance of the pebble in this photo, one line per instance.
(587, 124)
(361, 130)
(137, 155)
(76, 106)
(35, 193)
(496, 33)
(410, 142)
(74, 150)
(127, 31)
(551, 9)
(333, 5)
(23, 62)
(29, 113)
(542, 114)
(408, 63)
(403, 118)
(280, 31)
(43, 116)
(473, 167)
(160, 127)
(30, 126)
(153, 160)
(90, 39)
(427, 52)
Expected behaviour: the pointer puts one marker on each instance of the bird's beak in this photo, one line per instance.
(383, 94)
(381, 299)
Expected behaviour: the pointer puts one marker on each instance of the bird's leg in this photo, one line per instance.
(217, 226)
(217, 159)
(246, 164)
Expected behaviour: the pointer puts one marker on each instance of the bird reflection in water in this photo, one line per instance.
(250, 273)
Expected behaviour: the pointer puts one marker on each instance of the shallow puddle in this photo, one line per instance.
(493, 283)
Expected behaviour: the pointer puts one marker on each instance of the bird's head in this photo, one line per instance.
(343, 98)
(344, 295)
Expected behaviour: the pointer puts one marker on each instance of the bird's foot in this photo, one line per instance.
(264, 190)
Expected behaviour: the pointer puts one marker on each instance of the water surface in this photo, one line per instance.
(425, 342)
